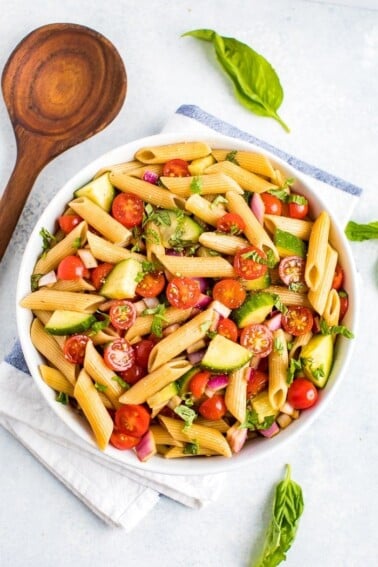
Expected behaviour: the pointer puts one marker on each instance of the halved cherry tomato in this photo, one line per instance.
(74, 348)
(128, 209)
(132, 419)
(344, 303)
(151, 285)
(228, 329)
(273, 206)
(71, 268)
(213, 408)
(68, 222)
(122, 314)
(291, 269)
(232, 223)
(250, 263)
(302, 394)
(257, 382)
(119, 355)
(258, 339)
(133, 374)
(123, 441)
(183, 292)
(298, 210)
(98, 274)
(143, 350)
(297, 320)
(338, 278)
(229, 292)
(176, 168)
(198, 383)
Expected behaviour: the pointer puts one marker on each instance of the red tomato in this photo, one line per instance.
(302, 394)
(142, 351)
(258, 339)
(250, 263)
(122, 314)
(119, 355)
(291, 269)
(257, 382)
(98, 274)
(128, 209)
(273, 206)
(123, 441)
(344, 303)
(68, 222)
(198, 383)
(132, 419)
(297, 320)
(151, 285)
(232, 223)
(338, 278)
(133, 374)
(213, 408)
(229, 292)
(228, 329)
(71, 268)
(183, 292)
(74, 348)
(176, 168)
(298, 210)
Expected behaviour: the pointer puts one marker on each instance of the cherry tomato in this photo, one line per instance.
(119, 355)
(229, 292)
(176, 168)
(338, 278)
(258, 339)
(298, 210)
(122, 314)
(297, 320)
(232, 223)
(257, 382)
(213, 408)
(133, 374)
(291, 269)
(151, 285)
(302, 394)
(198, 383)
(344, 303)
(183, 292)
(250, 263)
(71, 268)
(273, 206)
(132, 419)
(74, 348)
(123, 441)
(143, 350)
(68, 222)
(128, 209)
(98, 274)
(228, 329)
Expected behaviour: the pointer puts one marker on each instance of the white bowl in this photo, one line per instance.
(195, 465)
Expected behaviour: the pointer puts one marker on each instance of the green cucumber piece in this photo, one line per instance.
(288, 244)
(255, 309)
(68, 322)
(100, 191)
(317, 358)
(262, 406)
(183, 382)
(225, 355)
(182, 229)
(259, 283)
(163, 395)
(121, 282)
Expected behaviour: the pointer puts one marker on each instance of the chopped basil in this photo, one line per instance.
(219, 200)
(62, 398)
(196, 184)
(121, 382)
(34, 281)
(294, 366)
(100, 325)
(335, 330)
(186, 414)
(152, 236)
(278, 346)
(278, 304)
(297, 199)
(100, 387)
(359, 232)
(191, 448)
(253, 423)
(76, 243)
(158, 313)
(231, 156)
(48, 240)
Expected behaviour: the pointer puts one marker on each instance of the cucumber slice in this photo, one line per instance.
(288, 244)
(100, 191)
(262, 406)
(317, 358)
(259, 283)
(183, 381)
(163, 396)
(121, 281)
(182, 230)
(69, 322)
(225, 355)
(255, 309)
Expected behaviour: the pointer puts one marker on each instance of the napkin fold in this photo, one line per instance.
(119, 495)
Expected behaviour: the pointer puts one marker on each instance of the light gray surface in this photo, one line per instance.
(327, 57)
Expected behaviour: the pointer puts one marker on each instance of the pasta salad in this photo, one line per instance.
(188, 302)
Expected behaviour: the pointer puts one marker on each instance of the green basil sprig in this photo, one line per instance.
(256, 83)
(359, 232)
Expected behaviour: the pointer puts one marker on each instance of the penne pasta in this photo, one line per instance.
(331, 313)
(223, 243)
(109, 252)
(177, 452)
(140, 170)
(212, 184)
(191, 267)
(95, 366)
(147, 191)
(51, 300)
(236, 394)
(162, 437)
(245, 179)
(181, 150)
(251, 161)
(56, 380)
(318, 298)
(299, 228)
(278, 365)
(298, 343)
(317, 251)
(204, 209)
(142, 325)
(72, 285)
(123, 168)
(289, 297)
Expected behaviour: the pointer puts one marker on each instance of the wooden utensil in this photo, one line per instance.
(62, 84)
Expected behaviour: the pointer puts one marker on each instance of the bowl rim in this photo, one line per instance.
(193, 466)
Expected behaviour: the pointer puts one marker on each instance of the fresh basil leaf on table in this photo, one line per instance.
(359, 232)
(257, 86)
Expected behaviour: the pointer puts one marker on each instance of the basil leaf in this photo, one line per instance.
(359, 232)
(256, 84)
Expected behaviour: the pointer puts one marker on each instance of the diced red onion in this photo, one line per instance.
(146, 447)
(140, 306)
(217, 382)
(316, 325)
(203, 301)
(236, 437)
(258, 207)
(151, 302)
(203, 283)
(87, 258)
(173, 252)
(170, 329)
(150, 177)
(274, 323)
(196, 357)
(287, 408)
(215, 321)
(47, 279)
(271, 431)
(221, 309)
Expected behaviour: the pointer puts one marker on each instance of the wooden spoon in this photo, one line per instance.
(62, 84)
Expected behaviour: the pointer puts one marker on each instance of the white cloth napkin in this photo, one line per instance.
(118, 494)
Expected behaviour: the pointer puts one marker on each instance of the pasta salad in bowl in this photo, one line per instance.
(187, 299)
